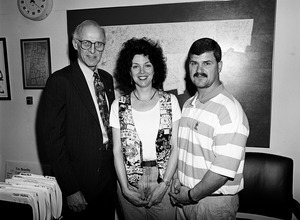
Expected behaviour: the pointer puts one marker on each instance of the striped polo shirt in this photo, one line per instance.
(212, 136)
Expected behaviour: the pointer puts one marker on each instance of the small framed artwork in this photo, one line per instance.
(4, 75)
(36, 62)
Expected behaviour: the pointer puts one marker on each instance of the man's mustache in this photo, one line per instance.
(200, 74)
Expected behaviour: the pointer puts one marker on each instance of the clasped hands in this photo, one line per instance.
(134, 196)
(179, 194)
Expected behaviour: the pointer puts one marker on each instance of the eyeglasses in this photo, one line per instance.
(86, 44)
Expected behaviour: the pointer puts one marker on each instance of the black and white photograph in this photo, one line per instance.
(150, 109)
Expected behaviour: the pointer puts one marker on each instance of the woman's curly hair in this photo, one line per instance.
(146, 47)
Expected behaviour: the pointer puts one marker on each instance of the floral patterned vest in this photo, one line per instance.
(132, 145)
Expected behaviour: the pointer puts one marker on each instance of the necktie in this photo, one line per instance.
(103, 109)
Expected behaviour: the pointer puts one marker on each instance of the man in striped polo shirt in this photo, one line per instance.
(212, 137)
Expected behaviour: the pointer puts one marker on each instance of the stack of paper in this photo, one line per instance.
(42, 193)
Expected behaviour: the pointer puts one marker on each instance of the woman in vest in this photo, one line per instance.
(144, 121)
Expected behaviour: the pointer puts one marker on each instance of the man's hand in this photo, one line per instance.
(76, 202)
(175, 188)
(181, 197)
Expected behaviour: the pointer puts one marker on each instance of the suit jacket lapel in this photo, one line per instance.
(83, 89)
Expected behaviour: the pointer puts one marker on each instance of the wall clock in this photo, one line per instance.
(35, 9)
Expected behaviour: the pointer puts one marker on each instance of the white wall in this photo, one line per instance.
(17, 120)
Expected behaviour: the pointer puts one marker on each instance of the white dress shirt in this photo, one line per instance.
(89, 77)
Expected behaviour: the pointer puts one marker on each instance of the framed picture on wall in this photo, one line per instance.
(36, 62)
(4, 75)
(244, 29)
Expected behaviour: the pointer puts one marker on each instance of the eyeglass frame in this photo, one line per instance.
(91, 43)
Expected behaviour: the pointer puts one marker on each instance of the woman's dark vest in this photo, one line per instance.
(132, 145)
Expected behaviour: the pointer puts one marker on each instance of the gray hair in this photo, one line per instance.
(83, 24)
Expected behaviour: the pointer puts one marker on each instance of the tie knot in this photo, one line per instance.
(96, 75)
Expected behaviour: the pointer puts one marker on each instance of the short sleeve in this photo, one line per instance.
(114, 114)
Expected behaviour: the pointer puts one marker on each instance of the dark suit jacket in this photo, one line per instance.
(72, 136)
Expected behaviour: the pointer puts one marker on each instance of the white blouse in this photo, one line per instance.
(146, 124)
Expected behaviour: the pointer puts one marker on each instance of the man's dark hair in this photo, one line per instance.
(199, 47)
(203, 45)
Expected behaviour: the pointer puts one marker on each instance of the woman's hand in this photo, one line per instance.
(134, 196)
(157, 194)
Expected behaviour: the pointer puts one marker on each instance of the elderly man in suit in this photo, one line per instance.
(74, 129)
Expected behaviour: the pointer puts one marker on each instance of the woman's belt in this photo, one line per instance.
(149, 163)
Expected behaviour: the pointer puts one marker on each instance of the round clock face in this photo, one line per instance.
(35, 9)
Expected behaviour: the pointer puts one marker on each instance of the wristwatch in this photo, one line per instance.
(190, 197)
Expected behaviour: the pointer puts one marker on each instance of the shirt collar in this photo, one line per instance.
(209, 96)
(87, 72)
